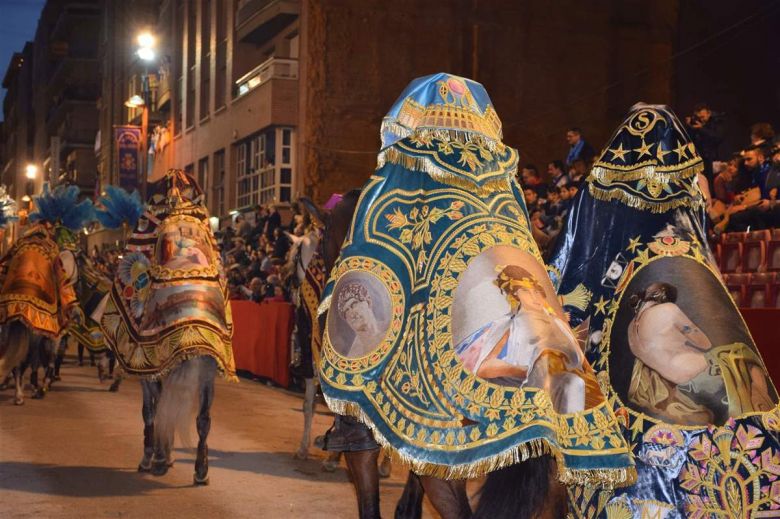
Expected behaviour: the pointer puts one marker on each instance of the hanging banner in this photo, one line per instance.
(127, 139)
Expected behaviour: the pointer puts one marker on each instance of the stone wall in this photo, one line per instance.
(547, 66)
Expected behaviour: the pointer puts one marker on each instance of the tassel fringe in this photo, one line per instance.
(606, 478)
(425, 165)
(643, 204)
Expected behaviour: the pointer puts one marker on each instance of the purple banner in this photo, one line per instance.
(127, 139)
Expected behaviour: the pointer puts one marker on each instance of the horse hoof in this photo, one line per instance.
(330, 466)
(145, 465)
(18, 401)
(39, 394)
(301, 454)
(115, 386)
(200, 481)
(57, 378)
(159, 469)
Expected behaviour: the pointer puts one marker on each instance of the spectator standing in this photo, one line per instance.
(706, 130)
(274, 222)
(578, 148)
(281, 244)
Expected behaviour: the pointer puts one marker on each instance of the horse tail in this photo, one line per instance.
(15, 348)
(519, 491)
(181, 391)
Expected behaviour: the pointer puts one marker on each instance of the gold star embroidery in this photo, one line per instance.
(660, 153)
(619, 152)
(680, 150)
(601, 305)
(644, 149)
(633, 243)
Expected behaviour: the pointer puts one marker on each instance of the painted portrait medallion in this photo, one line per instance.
(362, 315)
(680, 351)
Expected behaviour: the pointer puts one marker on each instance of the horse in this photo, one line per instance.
(29, 332)
(24, 348)
(529, 489)
(167, 405)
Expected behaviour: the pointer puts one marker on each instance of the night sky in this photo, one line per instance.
(18, 19)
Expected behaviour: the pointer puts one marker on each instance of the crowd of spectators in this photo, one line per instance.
(741, 191)
(742, 194)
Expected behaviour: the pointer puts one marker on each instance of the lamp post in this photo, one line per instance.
(146, 53)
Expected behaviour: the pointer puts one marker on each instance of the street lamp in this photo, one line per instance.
(31, 171)
(146, 53)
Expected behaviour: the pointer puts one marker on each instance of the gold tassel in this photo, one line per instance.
(607, 478)
(578, 298)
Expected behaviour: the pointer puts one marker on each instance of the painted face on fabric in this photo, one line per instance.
(359, 316)
(530, 300)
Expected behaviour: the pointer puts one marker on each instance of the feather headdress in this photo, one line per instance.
(119, 207)
(61, 207)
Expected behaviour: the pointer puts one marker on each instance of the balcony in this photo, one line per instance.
(74, 68)
(273, 68)
(257, 21)
(75, 17)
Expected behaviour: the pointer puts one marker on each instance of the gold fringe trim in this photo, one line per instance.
(324, 306)
(426, 165)
(640, 203)
(608, 175)
(606, 478)
(443, 134)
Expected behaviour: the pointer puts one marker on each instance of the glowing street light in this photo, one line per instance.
(135, 101)
(31, 171)
(146, 44)
(26, 199)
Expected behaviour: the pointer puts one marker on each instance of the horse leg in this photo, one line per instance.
(308, 413)
(61, 349)
(365, 477)
(18, 373)
(36, 357)
(385, 467)
(102, 366)
(151, 393)
(80, 353)
(449, 498)
(410, 504)
(49, 350)
(331, 463)
(203, 423)
(117, 381)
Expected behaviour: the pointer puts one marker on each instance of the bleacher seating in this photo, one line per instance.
(750, 263)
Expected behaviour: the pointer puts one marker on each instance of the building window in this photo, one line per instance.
(203, 177)
(264, 168)
(220, 85)
(189, 169)
(218, 186)
(179, 66)
(205, 57)
(192, 29)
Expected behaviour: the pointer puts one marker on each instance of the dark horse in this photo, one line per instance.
(23, 348)
(167, 407)
(526, 490)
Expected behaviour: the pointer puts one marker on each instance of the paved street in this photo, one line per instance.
(74, 454)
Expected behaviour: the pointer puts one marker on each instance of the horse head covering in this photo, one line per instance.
(169, 301)
(444, 334)
(38, 272)
(667, 342)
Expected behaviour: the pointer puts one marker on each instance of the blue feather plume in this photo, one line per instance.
(119, 207)
(62, 206)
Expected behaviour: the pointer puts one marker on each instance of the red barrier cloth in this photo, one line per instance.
(261, 339)
(763, 326)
